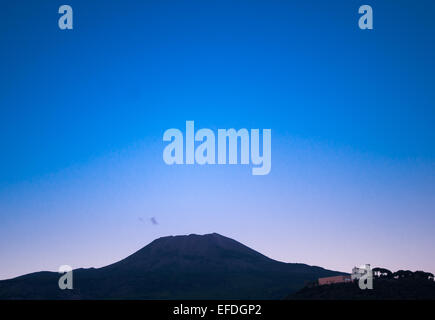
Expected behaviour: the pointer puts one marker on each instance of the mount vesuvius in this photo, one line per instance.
(207, 266)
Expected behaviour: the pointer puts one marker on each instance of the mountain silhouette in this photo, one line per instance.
(207, 266)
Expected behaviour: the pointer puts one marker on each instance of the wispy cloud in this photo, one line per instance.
(153, 220)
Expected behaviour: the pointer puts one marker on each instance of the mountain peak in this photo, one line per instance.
(194, 236)
(185, 267)
(207, 246)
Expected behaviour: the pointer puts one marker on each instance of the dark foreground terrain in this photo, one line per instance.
(383, 289)
(181, 267)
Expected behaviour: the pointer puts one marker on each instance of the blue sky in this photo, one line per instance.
(82, 115)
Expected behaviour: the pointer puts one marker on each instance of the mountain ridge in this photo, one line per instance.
(209, 266)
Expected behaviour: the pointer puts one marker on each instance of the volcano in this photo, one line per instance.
(192, 266)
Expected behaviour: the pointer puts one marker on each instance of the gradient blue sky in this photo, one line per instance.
(352, 113)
